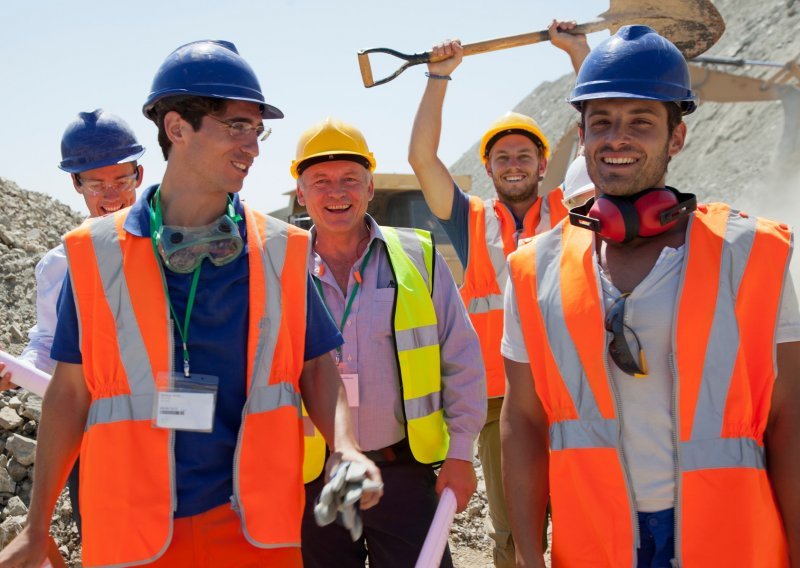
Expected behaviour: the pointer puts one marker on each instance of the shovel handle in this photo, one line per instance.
(469, 49)
(527, 39)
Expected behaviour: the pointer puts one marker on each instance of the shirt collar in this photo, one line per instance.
(374, 233)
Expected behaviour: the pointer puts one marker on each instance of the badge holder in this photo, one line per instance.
(185, 403)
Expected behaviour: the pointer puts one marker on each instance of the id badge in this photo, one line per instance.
(186, 403)
(350, 381)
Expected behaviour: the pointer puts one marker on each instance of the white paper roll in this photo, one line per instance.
(433, 548)
(25, 375)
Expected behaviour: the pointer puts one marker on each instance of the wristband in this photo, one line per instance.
(435, 76)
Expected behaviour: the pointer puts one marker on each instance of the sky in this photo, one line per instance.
(60, 58)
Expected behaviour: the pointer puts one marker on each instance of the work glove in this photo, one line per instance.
(340, 497)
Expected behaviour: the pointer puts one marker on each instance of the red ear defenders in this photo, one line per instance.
(646, 214)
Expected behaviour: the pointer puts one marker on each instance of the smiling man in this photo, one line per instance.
(410, 359)
(99, 151)
(188, 332)
(514, 151)
(652, 350)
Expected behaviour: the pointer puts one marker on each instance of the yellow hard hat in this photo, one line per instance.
(513, 123)
(331, 139)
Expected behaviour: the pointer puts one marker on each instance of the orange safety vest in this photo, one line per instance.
(128, 491)
(723, 370)
(492, 237)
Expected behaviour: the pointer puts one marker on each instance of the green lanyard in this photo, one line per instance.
(182, 331)
(349, 303)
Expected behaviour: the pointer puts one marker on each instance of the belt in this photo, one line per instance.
(395, 452)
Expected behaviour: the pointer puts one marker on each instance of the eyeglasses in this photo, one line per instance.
(239, 129)
(95, 187)
(619, 349)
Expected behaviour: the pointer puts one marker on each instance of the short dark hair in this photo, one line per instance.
(674, 116)
(191, 108)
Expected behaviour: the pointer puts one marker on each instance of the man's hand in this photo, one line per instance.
(370, 497)
(27, 550)
(5, 379)
(575, 45)
(452, 51)
(458, 475)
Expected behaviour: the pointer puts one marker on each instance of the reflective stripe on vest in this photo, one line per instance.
(127, 346)
(492, 237)
(411, 256)
(732, 279)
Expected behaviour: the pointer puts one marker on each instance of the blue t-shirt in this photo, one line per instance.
(457, 226)
(217, 346)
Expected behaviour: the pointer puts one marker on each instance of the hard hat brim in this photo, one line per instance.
(76, 166)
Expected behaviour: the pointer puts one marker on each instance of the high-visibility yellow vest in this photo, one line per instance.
(411, 256)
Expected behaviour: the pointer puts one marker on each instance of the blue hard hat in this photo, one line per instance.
(207, 68)
(635, 63)
(97, 139)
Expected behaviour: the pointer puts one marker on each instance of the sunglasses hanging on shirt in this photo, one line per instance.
(618, 348)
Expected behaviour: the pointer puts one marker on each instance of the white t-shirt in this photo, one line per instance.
(646, 403)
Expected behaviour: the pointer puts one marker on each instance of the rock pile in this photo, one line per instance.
(30, 225)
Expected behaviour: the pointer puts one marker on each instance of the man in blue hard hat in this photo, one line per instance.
(652, 350)
(100, 152)
(200, 332)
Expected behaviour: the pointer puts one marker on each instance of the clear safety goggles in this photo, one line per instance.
(122, 185)
(183, 248)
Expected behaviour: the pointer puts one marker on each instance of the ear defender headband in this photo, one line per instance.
(645, 214)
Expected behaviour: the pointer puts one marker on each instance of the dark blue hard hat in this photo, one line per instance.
(97, 139)
(207, 68)
(635, 63)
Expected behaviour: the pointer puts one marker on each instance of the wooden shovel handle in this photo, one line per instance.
(526, 39)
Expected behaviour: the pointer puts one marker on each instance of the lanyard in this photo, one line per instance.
(182, 331)
(349, 303)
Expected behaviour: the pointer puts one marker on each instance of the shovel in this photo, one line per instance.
(692, 25)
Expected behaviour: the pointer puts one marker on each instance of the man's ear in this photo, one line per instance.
(678, 139)
(542, 166)
(300, 197)
(75, 183)
(141, 176)
(174, 127)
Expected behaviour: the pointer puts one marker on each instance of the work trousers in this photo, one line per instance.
(214, 539)
(504, 552)
(394, 529)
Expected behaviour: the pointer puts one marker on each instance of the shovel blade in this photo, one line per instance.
(692, 25)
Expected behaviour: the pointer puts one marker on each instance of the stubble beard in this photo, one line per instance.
(531, 189)
(649, 176)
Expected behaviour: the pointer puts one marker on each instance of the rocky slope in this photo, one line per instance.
(30, 224)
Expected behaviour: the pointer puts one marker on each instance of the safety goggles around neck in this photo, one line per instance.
(183, 249)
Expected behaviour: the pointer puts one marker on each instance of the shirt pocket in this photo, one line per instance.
(381, 321)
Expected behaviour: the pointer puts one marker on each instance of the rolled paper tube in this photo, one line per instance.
(433, 548)
(25, 375)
